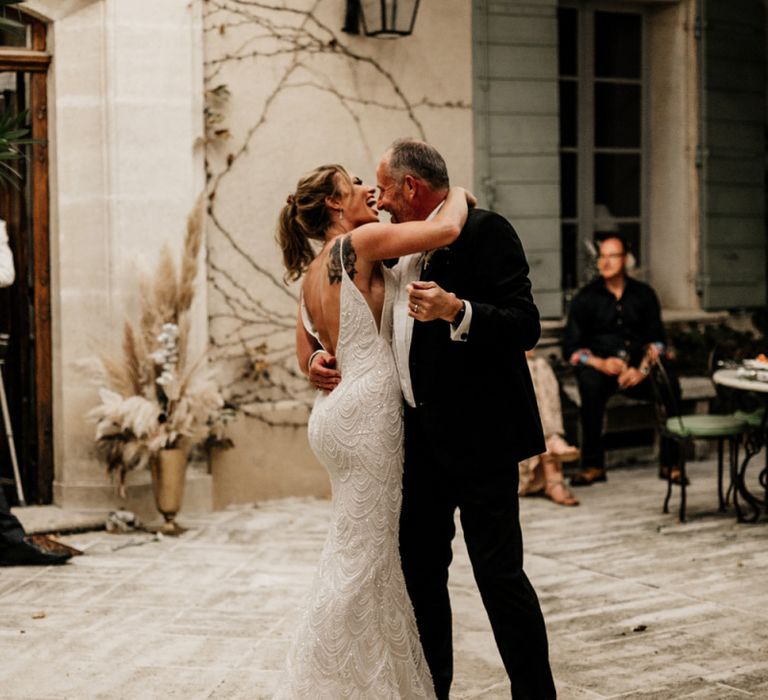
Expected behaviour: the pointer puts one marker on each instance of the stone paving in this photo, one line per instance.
(637, 605)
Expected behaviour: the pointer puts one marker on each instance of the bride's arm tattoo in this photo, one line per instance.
(348, 256)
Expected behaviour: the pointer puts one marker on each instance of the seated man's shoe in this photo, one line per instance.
(587, 477)
(26, 553)
(664, 473)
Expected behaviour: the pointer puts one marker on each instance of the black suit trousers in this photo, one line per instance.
(11, 530)
(486, 495)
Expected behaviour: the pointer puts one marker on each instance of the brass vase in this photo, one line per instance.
(169, 472)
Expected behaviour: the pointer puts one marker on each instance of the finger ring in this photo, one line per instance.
(415, 308)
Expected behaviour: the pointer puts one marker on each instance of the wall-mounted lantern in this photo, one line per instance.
(381, 18)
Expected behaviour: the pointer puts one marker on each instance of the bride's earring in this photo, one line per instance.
(341, 215)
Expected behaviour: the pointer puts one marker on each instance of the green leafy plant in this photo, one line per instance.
(13, 130)
(697, 347)
(13, 127)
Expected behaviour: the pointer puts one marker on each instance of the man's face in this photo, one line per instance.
(391, 196)
(611, 259)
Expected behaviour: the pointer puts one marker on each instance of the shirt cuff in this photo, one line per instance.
(461, 332)
(580, 356)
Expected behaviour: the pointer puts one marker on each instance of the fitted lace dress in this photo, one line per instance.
(358, 636)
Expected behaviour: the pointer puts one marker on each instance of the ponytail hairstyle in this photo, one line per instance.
(306, 217)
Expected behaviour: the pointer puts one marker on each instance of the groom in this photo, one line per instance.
(470, 417)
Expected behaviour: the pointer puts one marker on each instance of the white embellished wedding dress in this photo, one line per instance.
(358, 636)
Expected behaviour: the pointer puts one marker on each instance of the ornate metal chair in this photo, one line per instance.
(685, 428)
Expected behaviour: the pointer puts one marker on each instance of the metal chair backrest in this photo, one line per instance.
(666, 401)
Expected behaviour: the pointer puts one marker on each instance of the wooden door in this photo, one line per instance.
(25, 306)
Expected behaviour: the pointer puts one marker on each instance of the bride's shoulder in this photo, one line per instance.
(321, 259)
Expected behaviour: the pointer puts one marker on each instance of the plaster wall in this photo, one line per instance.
(126, 166)
(303, 93)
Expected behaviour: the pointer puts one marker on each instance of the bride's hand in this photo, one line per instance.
(471, 199)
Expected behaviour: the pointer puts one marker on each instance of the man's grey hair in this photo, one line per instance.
(419, 159)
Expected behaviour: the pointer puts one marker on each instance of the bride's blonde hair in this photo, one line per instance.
(306, 217)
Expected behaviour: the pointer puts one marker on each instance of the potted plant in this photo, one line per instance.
(156, 404)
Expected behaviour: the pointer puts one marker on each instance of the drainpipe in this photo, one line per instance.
(699, 27)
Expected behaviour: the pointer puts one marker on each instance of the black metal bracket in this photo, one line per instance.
(352, 17)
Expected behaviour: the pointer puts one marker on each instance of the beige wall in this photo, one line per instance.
(126, 111)
(304, 93)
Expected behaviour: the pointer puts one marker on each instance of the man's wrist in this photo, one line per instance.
(458, 316)
(312, 357)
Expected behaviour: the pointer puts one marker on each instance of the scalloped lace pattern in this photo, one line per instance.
(358, 636)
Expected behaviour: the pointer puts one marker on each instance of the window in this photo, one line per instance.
(15, 30)
(600, 67)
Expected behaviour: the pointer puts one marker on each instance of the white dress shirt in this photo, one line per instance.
(7, 271)
(407, 270)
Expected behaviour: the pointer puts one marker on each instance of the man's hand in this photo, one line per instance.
(630, 377)
(609, 365)
(427, 302)
(323, 374)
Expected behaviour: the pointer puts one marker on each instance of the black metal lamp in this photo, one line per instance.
(381, 18)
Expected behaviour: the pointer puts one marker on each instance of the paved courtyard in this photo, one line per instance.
(637, 605)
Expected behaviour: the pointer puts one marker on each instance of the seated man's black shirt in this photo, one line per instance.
(611, 327)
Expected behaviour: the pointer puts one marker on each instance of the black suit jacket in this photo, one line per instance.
(475, 399)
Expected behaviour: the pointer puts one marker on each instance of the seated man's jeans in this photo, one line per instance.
(595, 389)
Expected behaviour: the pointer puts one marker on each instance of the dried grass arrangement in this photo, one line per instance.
(152, 396)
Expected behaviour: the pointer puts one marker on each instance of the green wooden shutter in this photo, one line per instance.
(733, 236)
(516, 130)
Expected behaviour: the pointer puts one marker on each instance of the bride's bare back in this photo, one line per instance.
(322, 288)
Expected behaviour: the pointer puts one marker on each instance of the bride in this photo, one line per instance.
(357, 637)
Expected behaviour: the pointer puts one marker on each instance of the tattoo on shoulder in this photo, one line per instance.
(334, 269)
(349, 257)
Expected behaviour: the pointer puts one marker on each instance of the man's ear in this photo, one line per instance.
(410, 187)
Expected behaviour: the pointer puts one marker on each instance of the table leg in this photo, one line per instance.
(754, 442)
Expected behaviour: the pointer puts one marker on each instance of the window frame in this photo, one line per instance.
(585, 149)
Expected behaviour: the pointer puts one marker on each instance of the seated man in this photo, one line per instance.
(613, 334)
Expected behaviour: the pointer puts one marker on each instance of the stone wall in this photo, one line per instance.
(287, 90)
(125, 116)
